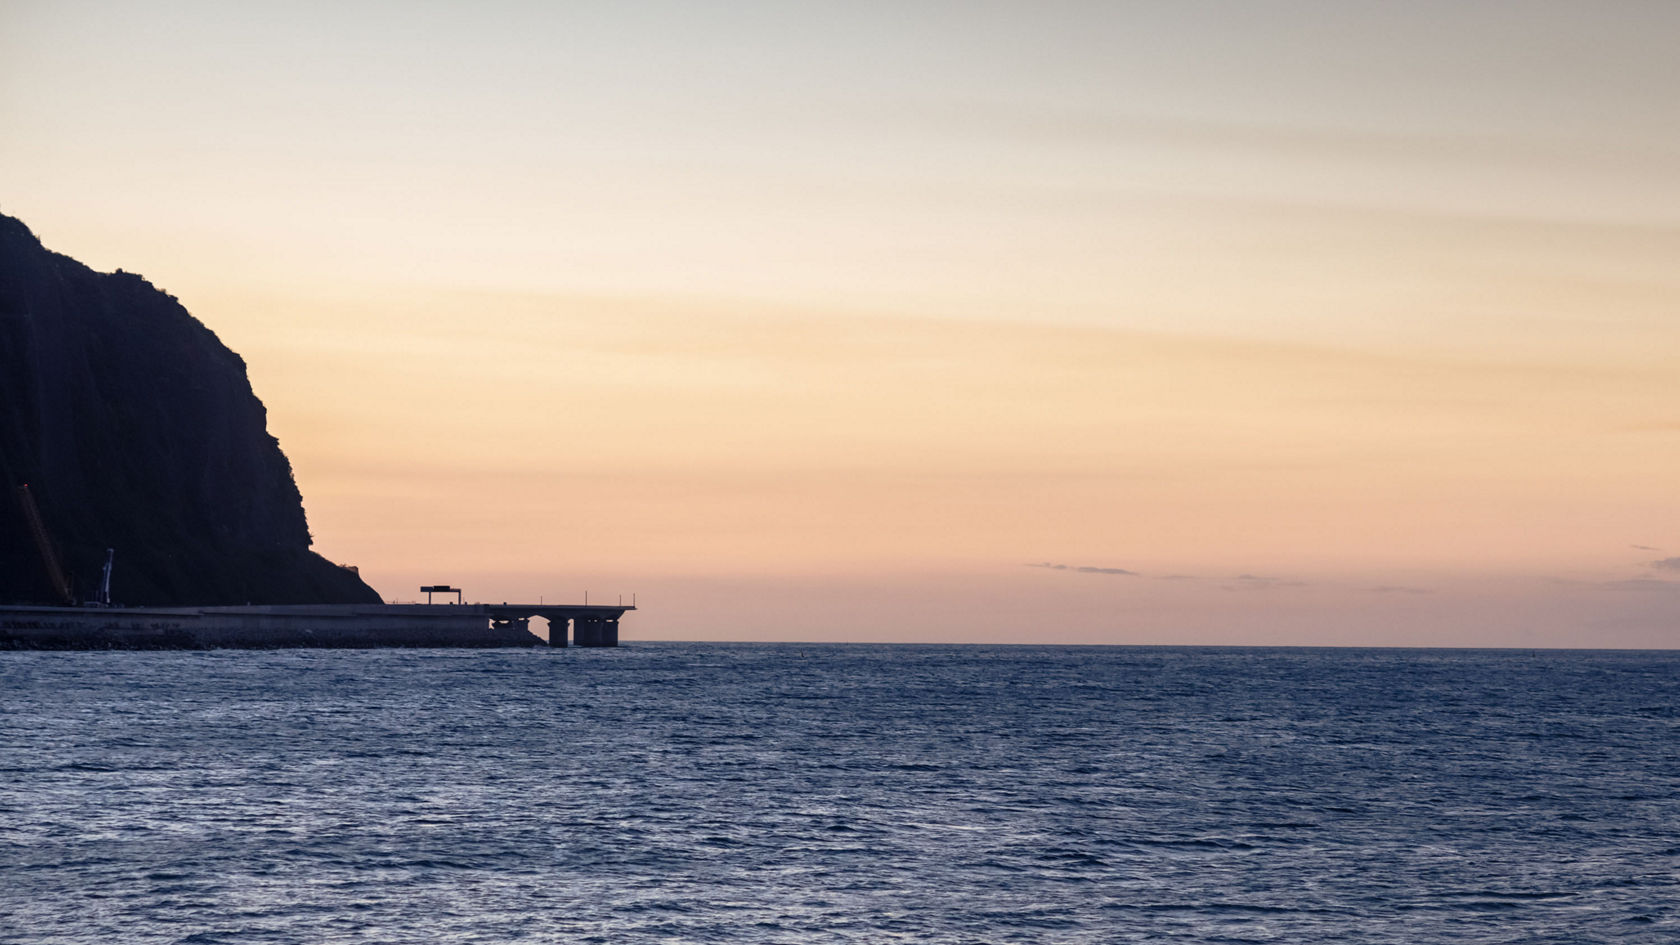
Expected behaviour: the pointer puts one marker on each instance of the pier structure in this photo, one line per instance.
(591, 625)
(306, 625)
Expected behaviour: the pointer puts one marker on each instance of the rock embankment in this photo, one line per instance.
(329, 626)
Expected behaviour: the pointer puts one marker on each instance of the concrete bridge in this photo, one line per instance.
(305, 625)
(591, 625)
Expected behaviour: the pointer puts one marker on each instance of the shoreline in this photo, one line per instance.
(332, 626)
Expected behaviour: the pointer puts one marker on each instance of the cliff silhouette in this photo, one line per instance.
(133, 427)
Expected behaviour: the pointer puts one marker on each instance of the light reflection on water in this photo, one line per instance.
(732, 792)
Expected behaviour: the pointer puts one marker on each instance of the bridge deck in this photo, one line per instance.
(546, 611)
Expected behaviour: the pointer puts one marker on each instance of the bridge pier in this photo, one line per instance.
(590, 625)
(595, 630)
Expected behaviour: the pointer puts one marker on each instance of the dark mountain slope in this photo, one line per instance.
(136, 429)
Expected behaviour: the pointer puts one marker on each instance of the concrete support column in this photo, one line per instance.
(557, 631)
(591, 631)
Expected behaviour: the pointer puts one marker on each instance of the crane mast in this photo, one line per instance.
(105, 578)
(43, 545)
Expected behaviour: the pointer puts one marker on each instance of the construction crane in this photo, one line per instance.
(104, 599)
(49, 558)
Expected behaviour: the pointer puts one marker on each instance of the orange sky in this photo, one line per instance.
(1327, 325)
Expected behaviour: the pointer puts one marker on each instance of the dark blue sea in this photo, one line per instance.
(667, 792)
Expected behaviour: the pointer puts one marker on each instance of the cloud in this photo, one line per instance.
(1259, 582)
(1667, 564)
(1644, 548)
(1098, 128)
(1085, 569)
(1643, 584)
(1397, 589)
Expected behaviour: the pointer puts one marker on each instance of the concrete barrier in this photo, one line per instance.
(198, 628)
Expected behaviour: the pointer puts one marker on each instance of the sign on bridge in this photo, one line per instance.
(431, 589)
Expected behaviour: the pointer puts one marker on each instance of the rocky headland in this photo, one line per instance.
(133, 427)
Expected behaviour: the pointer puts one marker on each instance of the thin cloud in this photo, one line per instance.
(1643, 584)
(1099, 128)
(1259, 582)
(1397, 589)
(1666, 564)
(1644, 548)
(1085, 569)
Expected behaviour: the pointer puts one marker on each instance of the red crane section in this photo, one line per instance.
(43, 543)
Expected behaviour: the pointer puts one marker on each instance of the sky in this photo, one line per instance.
(1271, 322)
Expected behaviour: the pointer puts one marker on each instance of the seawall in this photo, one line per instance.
(258, 627)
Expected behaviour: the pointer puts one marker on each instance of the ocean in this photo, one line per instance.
(678, 793)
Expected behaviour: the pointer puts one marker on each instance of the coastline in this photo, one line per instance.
(335, 626)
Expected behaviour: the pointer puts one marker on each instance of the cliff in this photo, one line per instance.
(136, 429)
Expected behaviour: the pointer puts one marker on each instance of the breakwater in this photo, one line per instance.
(338, 626)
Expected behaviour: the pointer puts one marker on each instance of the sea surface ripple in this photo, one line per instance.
(667, 792)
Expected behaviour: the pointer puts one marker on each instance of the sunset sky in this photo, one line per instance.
(1064, 322)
